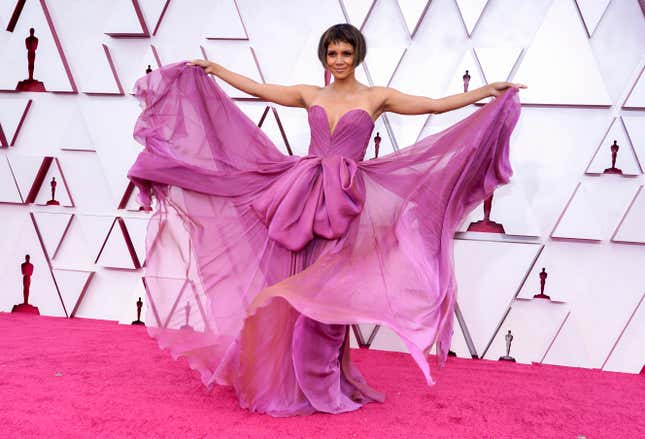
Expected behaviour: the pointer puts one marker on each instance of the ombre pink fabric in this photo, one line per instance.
(257, 262)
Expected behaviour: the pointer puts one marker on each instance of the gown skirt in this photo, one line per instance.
(257, 262)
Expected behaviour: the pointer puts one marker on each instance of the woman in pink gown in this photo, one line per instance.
(258, 262)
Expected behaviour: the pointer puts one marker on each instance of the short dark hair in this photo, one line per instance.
(346, 33)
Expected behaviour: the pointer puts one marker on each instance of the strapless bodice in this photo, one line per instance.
(350, 137)
(323, 187)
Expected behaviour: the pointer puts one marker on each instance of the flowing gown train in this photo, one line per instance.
(257, 262)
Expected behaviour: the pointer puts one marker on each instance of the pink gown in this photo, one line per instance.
(257, 262)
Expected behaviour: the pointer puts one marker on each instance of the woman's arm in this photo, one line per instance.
(397, 102)
(290, 96)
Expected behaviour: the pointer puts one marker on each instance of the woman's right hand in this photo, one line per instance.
(206, 65)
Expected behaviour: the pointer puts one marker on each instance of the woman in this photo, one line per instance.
(274, 256)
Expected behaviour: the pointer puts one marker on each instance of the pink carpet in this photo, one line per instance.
(91, 378)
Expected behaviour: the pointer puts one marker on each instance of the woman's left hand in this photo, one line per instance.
(497, 88)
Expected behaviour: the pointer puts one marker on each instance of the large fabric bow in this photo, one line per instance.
(317, 196)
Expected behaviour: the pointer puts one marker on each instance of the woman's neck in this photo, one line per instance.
(345, 85)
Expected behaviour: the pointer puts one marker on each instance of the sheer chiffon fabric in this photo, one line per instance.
(257, 261)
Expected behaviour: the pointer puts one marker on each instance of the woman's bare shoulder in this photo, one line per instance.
(378, 91)
(378, 95)
(308, 87)
(308, 92)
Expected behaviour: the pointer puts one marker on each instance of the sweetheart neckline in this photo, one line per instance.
(329, 130)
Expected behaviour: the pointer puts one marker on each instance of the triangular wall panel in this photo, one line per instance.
(511, 209)
(52, 187)
(24, 169)
(94, 229)
(591, 12)
(76, 137)
(427, 67)
(34, 178)
(154, 12)
(626, 160)
(468, 63)
(126, 20)
(382, 63)
(238, 59)
(554, 281)
(497, 63)
(118, 250)
(632, 226)
(268, 119)
(73, 285)
(131, 72)
(73, 251)
(87, 180)
(635, 124)
(636, 97)
(108, 295)
(225, 22)
(471, 11)
(559, 66)
(580, 222)
(50, 65)
(489, 275)
(357, 11)
(116, 150)
(533, 325)
(595, 209)
(617, 44)
(292, 129)
(590, 331)
(272, 125)
(413, 12)
(43, 292)
(100, 73)
(13, 113)
(52, 228)
(9, 192)
(137, 229)
(597, 282)
(627, 354)
(129, 199)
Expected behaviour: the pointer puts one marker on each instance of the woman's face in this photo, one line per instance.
(340, 59)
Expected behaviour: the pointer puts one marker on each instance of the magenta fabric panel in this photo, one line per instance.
(253, 255)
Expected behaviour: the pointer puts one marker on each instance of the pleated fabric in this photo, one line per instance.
(257, 262)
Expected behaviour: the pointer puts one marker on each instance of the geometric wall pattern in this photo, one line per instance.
(574, 209)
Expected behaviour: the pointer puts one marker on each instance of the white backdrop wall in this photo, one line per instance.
(582, 60)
